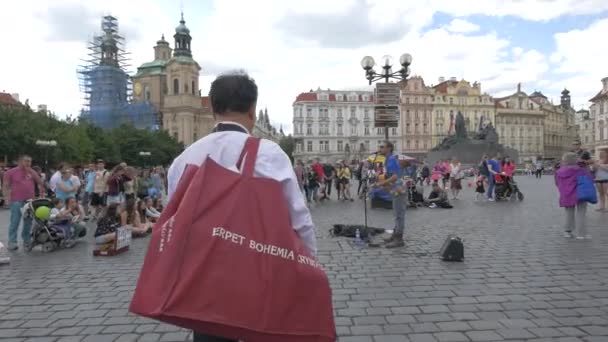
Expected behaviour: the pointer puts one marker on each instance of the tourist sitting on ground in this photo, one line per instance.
(108, 224)
(76, 214)
(151, 213)
(438, 198)
(130, 217)
(157, 203)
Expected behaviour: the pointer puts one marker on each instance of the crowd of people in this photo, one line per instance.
(120, 196)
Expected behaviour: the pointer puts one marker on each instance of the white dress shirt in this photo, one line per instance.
(225, 148)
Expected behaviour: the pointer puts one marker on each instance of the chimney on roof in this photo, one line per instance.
(441, 79)
(453, 79)
(519, 87)
(605, 84)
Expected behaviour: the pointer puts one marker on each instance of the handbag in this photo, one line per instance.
(224, 260)
(585, 189)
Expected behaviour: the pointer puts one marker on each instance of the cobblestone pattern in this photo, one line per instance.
(521, 280)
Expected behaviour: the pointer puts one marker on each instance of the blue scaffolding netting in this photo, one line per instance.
(106, 86)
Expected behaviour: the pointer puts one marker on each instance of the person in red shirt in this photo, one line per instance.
(18, 186)
(318, 169)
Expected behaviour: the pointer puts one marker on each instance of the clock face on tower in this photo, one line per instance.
(137, 88)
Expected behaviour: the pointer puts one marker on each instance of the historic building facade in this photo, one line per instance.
(170, 83)
(416, 117)
(586, 128)
(599, 110)
(559, 126)
(520, 124)
(337, 125)
(452, 96)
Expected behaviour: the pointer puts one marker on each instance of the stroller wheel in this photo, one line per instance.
(48, 247)
(520, 196)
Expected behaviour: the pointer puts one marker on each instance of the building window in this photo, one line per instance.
(379, 130)
(408, 127)
(353, 130)
(407, 100)
(309, 129)
(193, 88)
(321, 146)
(425, 129)
(407, 144)
(340, 146)
(394, 131)
(416, 114)
(367, 145)
(366, 130)
(309, 146)
(340, 129)
(147, 94)
(339, 113)
(353, 112)
(366, 114)
(175, 86)
(308, 113)
(451, 100)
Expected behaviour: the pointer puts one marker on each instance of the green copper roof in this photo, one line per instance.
(157, 63)
(184, 59)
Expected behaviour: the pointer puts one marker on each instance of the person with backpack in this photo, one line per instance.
(575, 185)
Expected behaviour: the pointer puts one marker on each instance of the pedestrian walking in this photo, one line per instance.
(18, 187)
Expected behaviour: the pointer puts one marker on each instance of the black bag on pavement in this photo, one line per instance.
(346, 230)
(452, 249)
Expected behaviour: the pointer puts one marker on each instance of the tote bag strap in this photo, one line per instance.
(249, 155)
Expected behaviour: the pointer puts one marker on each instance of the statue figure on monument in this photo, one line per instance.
(461, 130)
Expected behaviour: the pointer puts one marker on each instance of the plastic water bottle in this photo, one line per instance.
(358, 242)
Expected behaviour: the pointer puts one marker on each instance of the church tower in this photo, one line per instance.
(172, 79)
(162, 50)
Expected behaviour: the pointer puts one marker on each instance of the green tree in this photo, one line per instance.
(78, 141)
(288, 145)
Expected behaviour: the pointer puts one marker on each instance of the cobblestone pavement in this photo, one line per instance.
(521, 281)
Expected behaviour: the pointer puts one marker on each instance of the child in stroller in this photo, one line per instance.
(506, 188)
(44, 231)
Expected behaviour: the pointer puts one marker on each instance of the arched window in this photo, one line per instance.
(601, 129)
(175, 86)
(193, 88)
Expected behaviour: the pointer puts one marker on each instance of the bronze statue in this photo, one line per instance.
(461, 129)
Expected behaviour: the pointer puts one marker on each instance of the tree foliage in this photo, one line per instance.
(80, 142)
(288, 145)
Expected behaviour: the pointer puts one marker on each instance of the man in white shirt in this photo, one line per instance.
(233, 99)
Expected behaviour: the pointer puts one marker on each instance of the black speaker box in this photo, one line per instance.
(452, 249)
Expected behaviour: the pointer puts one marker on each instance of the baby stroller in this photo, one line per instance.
(49, 236)
(506, 189)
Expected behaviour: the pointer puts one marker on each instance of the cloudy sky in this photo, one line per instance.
(292, 46)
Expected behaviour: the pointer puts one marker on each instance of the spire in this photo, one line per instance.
(182, 39)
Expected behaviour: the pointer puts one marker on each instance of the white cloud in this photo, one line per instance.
(462, 26)
(284, 65)
(537, 10)
(580, 57)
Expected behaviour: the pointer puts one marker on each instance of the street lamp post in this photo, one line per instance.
(143, 155)
(46, 144)
(368, 63)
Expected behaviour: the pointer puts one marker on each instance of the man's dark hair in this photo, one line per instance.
(389, 145)
(233, 92)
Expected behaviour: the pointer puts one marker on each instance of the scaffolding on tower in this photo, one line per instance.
(106, 86)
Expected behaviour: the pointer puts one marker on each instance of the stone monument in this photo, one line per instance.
(469, 150)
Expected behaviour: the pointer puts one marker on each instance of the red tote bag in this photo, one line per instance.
(224, 260)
